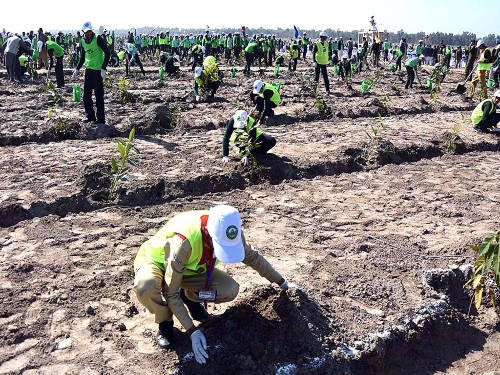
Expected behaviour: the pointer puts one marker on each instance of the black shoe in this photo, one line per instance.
(196, 309)
(479, 130)
(165, 335)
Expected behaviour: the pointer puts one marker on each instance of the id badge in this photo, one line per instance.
(207, 295)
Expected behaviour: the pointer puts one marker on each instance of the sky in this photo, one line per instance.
(447, 16)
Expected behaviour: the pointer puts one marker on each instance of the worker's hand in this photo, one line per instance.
(197, 98)
(315, 64)
(287, 285)
(199, 345)
(225, 159)
(244, 160)
(103, 73)
(75, 74)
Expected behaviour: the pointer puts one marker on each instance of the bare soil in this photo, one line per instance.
(376, 234)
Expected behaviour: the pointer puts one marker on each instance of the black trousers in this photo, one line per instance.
(324, 73)
(266, 143)
(249, 58)
(489, 122)
(410, 78)
(93, 82)
(137, 60)
(59, 72)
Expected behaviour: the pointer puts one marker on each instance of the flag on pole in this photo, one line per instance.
(295, 32)
(152, 31)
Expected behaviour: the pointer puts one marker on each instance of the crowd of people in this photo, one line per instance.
(175, 270)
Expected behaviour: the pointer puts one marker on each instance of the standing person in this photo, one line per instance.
(403, 47)
(458, 57)
(411, 69)
(294, 55)
(376, 46)
(485, 117)
(54, 49)
(132, 56)
(471, 59)
(496, 65)
(95, 54)
(320, 58)
(398, 56)
(177, 267)
(13, 46)
(241, 124)
(387, 47)
(483, 66)
(305, 44)
(42, 49)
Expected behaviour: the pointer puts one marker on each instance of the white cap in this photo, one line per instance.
(240, 118)
(421, 57)
(257, 86)
(497, 94)
(323, 34)
(479, 42)
(197, 71)
(224, 226)
(203, 49)
(87, 26)
(177, 58)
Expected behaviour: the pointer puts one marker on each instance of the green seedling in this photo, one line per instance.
(119, 169)
(486, 269)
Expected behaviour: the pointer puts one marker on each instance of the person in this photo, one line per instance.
(55, 49)
(205, 84)
(42, 49)
(396, 55)
(345, 68)
(13, 48)
(251, 51)
(197, 50)
(132, 56)
(471, 59)
(320, 58)
(172, 65)
(266, 97)
(94, 53)
(496, 66)
(241, 124)
(178, 266)
(485, 117)
(483, 65)
(294, 55)
(411, 69)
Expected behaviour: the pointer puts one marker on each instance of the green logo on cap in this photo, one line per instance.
(231, 232)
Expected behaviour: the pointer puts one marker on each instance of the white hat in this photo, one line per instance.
(421, 57)
(480, 42)
(87, 26)
(224, 226)
(177, 58)
(257, 86)
(323, 34)
(497, 94)
(240, 118)
(197, 71)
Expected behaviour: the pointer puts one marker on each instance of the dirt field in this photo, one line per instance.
(376, 233)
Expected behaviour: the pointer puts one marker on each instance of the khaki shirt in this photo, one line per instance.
(177, 253)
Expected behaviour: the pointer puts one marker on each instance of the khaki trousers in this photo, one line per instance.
(150, 288)
(479, 77)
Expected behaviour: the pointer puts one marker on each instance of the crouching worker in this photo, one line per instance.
(242, 130)
(172, 65)
(177, 266)
(205, 85)
(266, 97)
(485, 117)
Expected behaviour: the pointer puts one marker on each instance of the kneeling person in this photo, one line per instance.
(266, 97)
(242, 125)
(184, 254)
(485, 117)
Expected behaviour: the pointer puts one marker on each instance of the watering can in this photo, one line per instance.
(336, 69)
(429, 83)
(365, 86)
(233, 72)
(77, 93)
(393, 67)
(276, 70)
(490, 83)
(161, 72)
